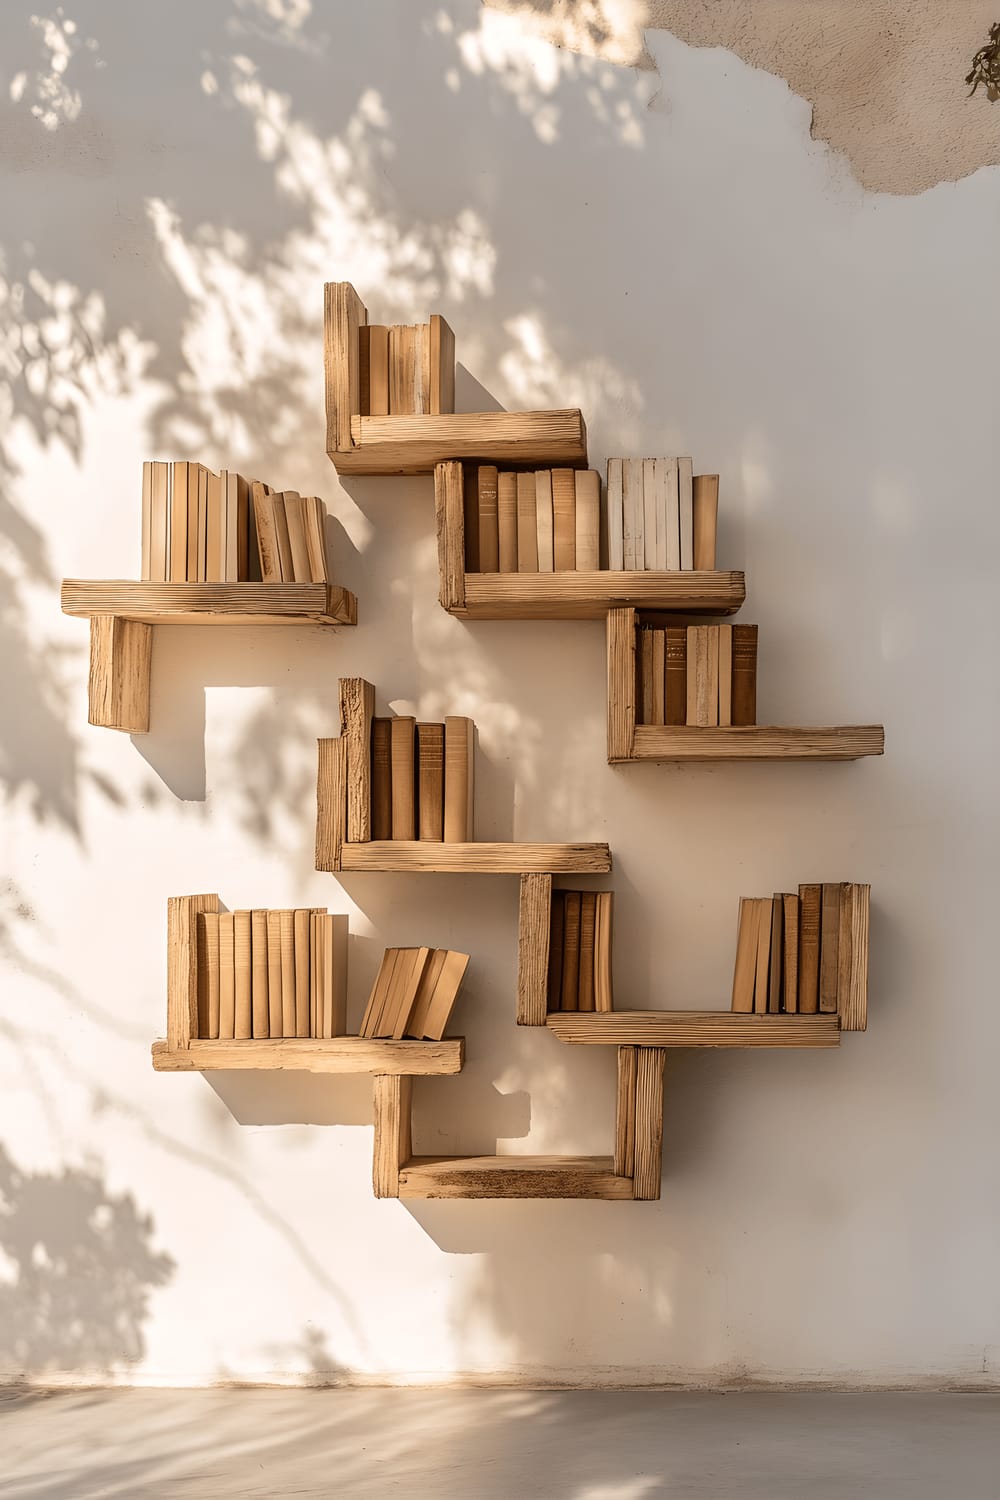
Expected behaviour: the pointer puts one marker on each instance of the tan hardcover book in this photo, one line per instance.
(215, 551)
(790, 976)
(201, 562)
(658, 490)
(286, 969)
(470, 519)
(702, 675)
(588, 932)
(275, 993)
(194, 518)
(430, 790)
(603, 987)
(745, 969)
(381, 778)
(557, 922)
(295, 516)
(379, 991)
(265, 526)
(659, 676)
(159, 523)
(829, 943)
(378, 370)
(210, 920)
(400, 370)
(403, 986)
(231, 500)
(178, 523)
(260, 1014)
(300, 939)
(672, 513)
(489, 521)
(744, 691)
(421, 368)
(763, 966)
(646, 675)
(563, 520)
(527, 533)
(402, 752)
(543, 520)
(705, 508)
(445, 993)
(147, 518)
(201, 975)
(227, 975)
(777, 952)
(316, 976)
(649, 528)
(633, 520)
(675, 690)
(810, 901)
(459, 780)
(588, 520)
(615, 514)
(314, 514)
(507, 521)
(243, 1025)
(725, 673)
(852, 983)
(337, 938)
(425, 992)
(570, 997)
(284, 539)
(685, 508)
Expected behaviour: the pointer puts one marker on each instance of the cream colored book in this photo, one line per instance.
(243, 1025)
(215, 516)
(445, 993)
(527, 532)
(314, 513)
(459, 757)
(563, 520)
(147, 518)
(210, 920)
(300, 933)
(159, 523)
(633, 544)
(258, 973)
(402, 750)
(648, 514)
(685, 506)
(725, 674)
(227, 975)
(275, 996)
(615, 514)
(587, 487)
(284, 539)
(178, 523)
(543, 519)
(267, 533)
(286, 965)
(295, 516)
(380, 989)
(507, 521)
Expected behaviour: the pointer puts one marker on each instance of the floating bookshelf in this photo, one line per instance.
(693, 1028)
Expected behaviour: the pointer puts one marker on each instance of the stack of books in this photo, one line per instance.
(414, 992)
(395, 369)
(271, 974)
(660, 516)
(792, 950)
(703, 675)
(545, 522)
(580, 951)
(289, 534)
(422, 779)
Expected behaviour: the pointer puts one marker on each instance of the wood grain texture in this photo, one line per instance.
(391, 1099)
(534, 916)
(182, 966)
(512, 1177)
(343, 315)
(647, 1168)
(497, 859)
(414, 444)
(852, 958)
(449, 508)
(693, 1028)
(756, 742)
(621, 683)
(357, 705)
(625, 1112)
(331, 802)
(341, 1054)
(442, 366)
(210, 603)
(589, 596)
(118, 682)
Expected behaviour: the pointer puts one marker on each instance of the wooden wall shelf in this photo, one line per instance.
(512, 1177)
(341, 1054)
(693, 1028)
(484, 859)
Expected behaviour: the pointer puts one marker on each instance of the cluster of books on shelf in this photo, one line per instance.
(660, 515)
(270, 974)
(422, 779)
(580, 951)
(703, 675)
(202, 527)
(542, 522)
(395, 369)
(414, 992)
(793, 951)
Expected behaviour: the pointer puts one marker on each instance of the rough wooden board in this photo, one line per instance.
(693, 1028)
(852, 952)
(512, 1177)
(210, 603)
(341, 1054)
(331, 802)
(534, 916)
(182, 966)
(756, 742)
(343, 315)
(391, 1097)
(499, 859)
(625, 1113)
(621, 683)
(649, 1064)
(589, 596)
(413, 445)
(118, 682)
(450, 521)
(357, 705)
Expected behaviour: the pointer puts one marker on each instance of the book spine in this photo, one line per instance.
(675, 692)
(777, 952)
(300, 930)
(295, 514)
(672, 513)
(685, 507)
(275, 993)
(648, 513)
(381, 778)
(315, 977)
(243, 1024)
(587, 484)
(378, 370)
(646, 676)
(227, 975)
(459, 749)
(725, 674)
(201, 975)
(570, 999)
(588, 925)
(659, 677)
(744, 690)
(489, 524)
(284, 539)
(705, 504)
(633, 543)
(470, 521)
(430, 794)
(745, 968)
(364, 371)
(660, 468)
(790, 980)
(194, 516)
(603, 984)
(544, 520)
(315, 519)
(763, 965)
(615, 512)
(563, 520)
(286, 950)
(527, 533)
(147, 520)
(400, 396)
(810, 900)
(829, 946)
(421, 368)
(213, 977)
(556, 927)
(178, 524)
(258, 973)
(402, 746)
(507, 521)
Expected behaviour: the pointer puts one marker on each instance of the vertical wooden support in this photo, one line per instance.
(534, 918)
(442, 341)
(331, 802)
(182, 966)
(625, 1113)
(118, 689)
(648, 1121)
(621, 683)
(852, 958)
(392, 1097)
(357, 705)
(449, 514)
(343, 315)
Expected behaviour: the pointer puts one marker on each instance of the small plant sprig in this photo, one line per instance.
(986, 66)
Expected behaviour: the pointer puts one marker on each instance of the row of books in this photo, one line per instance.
(789, 950)
(580, 951)
(289, 535)
(414, 992)
(395, 369)
(660, 516)
(542, 522)
(271, 974)
(422, 779)
(698, 674)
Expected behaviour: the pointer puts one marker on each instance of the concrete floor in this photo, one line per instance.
(497, 1445)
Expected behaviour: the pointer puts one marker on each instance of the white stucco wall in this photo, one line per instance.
(673, 252)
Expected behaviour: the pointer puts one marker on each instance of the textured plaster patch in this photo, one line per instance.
(885, 78)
